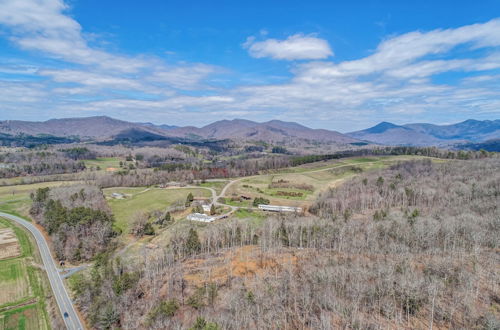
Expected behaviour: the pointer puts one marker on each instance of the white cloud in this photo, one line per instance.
(401, 51)
(395, 82)
(41, 25)
(92, 79)
(183, 77)
(295, 47)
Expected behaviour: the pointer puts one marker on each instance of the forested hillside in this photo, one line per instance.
(413, 246)
(15, 164)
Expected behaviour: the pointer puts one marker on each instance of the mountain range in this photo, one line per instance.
(422, 134)
(102, 128)
(99, 127)
(271, 131)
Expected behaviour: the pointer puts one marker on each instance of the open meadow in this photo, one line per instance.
(109, 164)
(16, 199)
(299, 186)
(143, 199)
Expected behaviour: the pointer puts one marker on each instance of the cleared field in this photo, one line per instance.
(14, 281)
(22, 285)
(145, 200)
(16, 199)
(27, 317)
(216, 185)
(300, 185)
(253, 217)
(106, 163)
(26, 248)
(8, 193)
(9, 246)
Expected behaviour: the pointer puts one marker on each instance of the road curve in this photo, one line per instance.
(72, 321)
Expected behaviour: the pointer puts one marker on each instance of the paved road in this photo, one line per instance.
(72, 321)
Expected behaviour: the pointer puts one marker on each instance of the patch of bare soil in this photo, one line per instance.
(245, 262)
(9, 245)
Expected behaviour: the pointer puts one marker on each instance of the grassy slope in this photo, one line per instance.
(143, 199)
(321, 176)
(16, 199)
(216, 185)
(104, 163)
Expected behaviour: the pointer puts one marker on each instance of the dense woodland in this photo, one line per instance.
(412, 246)
(37, 163)
(77, 218)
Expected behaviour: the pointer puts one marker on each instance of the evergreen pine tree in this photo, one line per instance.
(193, 244)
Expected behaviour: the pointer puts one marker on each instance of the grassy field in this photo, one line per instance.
(146, 199)
(22, 287)
(23, 191)
(302, 184)
(16, 199)
(14, 281)
(216, 185)
(25, 317)
(254, 217)
(106, 163)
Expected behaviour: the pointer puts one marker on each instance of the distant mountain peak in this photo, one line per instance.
(285, 124)
(382, 127)
(273, 130)
(473, 121)
(423, 134)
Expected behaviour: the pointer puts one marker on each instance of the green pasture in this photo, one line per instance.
(145, 200)
(319, 175)
(22, 287)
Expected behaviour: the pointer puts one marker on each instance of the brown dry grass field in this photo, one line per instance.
(9, 245)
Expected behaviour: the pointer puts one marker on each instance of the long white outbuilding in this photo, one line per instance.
(278, 208)
(200, 217)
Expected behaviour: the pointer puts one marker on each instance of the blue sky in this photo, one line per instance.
(326, 64)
